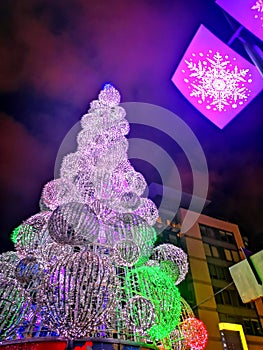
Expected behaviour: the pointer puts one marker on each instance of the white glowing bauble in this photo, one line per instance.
(148, 211)
(101, 139)
(107, 185)
(57, 192)
(172, 253)
(73, 223)
(114, 155)
(127, 202)
(109, 96)
(136, 181)
(79, 293)
(71, 164)
(126, 253)
(33, 233)
(85, 137)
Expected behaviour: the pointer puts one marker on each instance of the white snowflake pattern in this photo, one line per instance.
(258, 6)
(216, 83)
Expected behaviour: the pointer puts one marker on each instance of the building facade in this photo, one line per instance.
(213, 246)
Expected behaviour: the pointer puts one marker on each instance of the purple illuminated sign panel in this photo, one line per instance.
(249, 13)
(215, 79)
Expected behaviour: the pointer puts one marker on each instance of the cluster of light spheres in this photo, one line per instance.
(85, 265)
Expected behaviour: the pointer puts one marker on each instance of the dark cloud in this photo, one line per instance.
(25, 166)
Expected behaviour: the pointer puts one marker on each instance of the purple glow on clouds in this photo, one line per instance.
(249, 14)
(215, 79)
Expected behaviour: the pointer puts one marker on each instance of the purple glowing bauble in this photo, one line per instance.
(73, 223)
(79, 293)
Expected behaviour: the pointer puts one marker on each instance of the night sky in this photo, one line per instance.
(55, 56)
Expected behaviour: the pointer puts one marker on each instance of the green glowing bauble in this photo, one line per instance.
(156, 286)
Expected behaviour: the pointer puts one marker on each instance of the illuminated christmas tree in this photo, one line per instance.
(85, 265)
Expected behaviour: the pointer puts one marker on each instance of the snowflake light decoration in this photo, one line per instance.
(250, 14)
(217, 81)
(258, 8)
(216, 85)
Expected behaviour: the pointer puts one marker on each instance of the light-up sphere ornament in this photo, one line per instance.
(57, 192)
(109, 96)
(158, 288)
(128, 202)
(107, 185)
(13, 304)
(29, 272)
(139, 314)
(32, 233)
(71, 165)
(73, 223)
(135, 181)
(195, 333)
(130, 227)
(126, 253)
(79, 293)
(172, 253)
(115, 155)
(148, 211)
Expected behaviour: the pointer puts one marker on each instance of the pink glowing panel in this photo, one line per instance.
(247, 12)
(215, 79)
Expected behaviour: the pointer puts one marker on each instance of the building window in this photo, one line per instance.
(220, 252)
(218, 234)
(226, 297)
(207, 249)
(228, 255)
(236, 257)
(215, 252)
(219, 272)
